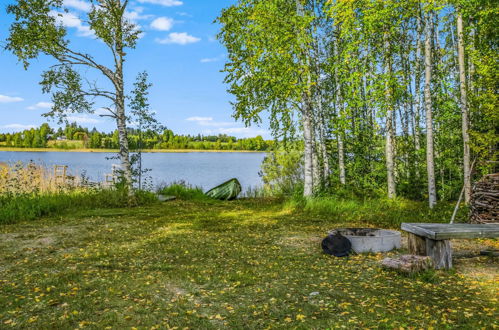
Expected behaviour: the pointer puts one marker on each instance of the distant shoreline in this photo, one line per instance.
(116, 150)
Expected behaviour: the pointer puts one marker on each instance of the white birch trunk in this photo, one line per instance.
(339, 135)
(430, 164)
(341, 159)
(322, 140)
(308, 187)
(464, 110)
(390, 161)
(417, 84)
(308, 130)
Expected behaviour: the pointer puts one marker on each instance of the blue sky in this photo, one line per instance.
(178, 50)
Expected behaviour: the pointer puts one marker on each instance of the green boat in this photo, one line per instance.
(227, 191)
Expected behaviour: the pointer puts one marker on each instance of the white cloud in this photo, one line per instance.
(208, 121)
(212, 59)
(184, 14)
(239, 131)
(199, 118)
(18, 126)
(162, 24)
(70, 20)
(83, 119)
(166, 3)
(102, 111)
(136, 14)
(78, 4)
(209, 60)
(10, 99)
(41, 105)
(181, 38)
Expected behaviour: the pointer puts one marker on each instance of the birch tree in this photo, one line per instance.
(38, 30)
(269, 68)
(430, 163)
(464, 108)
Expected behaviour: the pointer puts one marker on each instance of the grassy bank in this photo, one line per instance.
(208, 265)
(115, 150)
(33, 206)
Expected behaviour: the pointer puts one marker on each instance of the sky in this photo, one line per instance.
(178, 49)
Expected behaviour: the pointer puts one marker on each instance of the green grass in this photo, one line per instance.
(15, 208)
(377, 212)
(248, 264)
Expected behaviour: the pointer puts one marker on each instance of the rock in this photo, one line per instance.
(408, 263)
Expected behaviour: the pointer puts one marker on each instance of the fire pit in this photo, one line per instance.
(370, 239)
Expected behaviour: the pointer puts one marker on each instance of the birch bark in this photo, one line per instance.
(430, 164)
(464, 109)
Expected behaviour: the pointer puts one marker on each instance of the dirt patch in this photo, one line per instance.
(300, 242)
(23, 242)
(483, 269)
(176, 290)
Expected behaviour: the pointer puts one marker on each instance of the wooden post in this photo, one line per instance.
(417, 245)
(60, 172)
(441, 253)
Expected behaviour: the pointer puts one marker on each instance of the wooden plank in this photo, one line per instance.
(414, 228)
(440, 231)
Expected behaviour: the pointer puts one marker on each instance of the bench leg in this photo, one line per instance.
(417, 245)
(441, 253)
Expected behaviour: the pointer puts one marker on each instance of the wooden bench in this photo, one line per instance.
(433, 239)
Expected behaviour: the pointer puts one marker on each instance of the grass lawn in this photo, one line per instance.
(243, 264)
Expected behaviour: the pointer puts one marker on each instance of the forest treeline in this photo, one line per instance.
(393, 96)
(73, 136)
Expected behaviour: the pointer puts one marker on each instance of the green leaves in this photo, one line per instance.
(67, 92)
(34, 30)
(267, 65)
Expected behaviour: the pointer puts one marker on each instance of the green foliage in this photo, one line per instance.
(362, 62)
(267, 65)
(73, 136)
(282, 172)
(15, 208)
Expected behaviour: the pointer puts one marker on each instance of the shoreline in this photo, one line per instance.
(116, 150)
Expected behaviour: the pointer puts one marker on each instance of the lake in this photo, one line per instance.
(203, 169)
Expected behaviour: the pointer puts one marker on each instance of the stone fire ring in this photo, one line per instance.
(370, 239)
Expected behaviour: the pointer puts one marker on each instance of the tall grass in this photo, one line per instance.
(183, 190)
(29, 178)
(374, 212)
(29, 191)
(15, 208)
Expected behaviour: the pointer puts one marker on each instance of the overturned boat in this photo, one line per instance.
(227, 191)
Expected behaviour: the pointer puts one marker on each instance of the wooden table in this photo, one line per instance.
(433, 239)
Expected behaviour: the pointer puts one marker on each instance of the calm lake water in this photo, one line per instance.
(203, 169)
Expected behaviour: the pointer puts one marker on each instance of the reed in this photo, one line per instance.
(30, 178)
